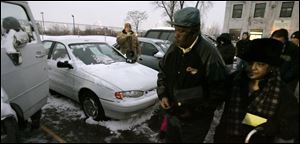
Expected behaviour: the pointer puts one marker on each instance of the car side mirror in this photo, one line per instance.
(64, 65)
(159, 55)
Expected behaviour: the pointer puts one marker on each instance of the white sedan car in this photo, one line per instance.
(96, 75)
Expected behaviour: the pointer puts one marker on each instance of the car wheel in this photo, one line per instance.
(92, 106)
(10, 128)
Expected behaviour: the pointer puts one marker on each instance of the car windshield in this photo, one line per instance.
(163, 45)
(96, 53)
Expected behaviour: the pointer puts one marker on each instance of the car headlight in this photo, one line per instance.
(133, 94)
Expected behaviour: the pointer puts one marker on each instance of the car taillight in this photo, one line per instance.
(119, 95)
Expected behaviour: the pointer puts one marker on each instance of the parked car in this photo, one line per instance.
(163, 33)
(95, 74)
(168, 33)
(24, 77)
(152, 50)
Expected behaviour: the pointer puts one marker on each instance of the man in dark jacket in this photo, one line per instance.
(190, 80)
(241, 46)
(226, 48)
(290, 67)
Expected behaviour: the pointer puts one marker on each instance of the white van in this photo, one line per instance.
(24, 76)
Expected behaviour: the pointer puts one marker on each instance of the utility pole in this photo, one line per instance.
(73, 25)
(42, 13)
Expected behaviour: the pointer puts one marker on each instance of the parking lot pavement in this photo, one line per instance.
(66, 120)
(67, 123)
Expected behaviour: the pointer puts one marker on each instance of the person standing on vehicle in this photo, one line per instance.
(190, 80)
(290, 57)
(128, 42)
(259, 99)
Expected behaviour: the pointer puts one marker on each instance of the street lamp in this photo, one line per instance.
(73, 24)
(42, 13)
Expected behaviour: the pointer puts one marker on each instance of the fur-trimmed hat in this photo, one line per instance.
(264, 50)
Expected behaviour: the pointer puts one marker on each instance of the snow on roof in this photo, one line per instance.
(163, 28)
(68, 39)
(151, 39)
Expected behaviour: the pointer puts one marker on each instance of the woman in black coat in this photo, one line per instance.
(259, 99)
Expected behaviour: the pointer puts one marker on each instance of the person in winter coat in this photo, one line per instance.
(241, 46)
(259, 99)
(190, 80)
(295, 38)
(290, 56)
(226, 48)
(128, 42)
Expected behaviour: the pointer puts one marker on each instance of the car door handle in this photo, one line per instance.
(140, 59)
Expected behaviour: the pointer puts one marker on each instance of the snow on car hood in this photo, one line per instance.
(124, 75)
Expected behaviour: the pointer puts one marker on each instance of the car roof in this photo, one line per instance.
(145, 39)
(70, 39)
(163, 28)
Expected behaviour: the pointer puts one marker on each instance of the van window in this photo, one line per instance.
(148, 49)
(60, 53)
(165, 35)
(171, 36)
(153, 34)
(17, 12)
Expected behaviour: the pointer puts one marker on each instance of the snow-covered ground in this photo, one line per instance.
(65, 117)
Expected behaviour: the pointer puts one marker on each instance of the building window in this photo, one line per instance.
(260, 10)
(237, 11)
(286, 9)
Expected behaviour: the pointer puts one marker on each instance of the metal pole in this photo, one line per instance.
(73, 25)
(43, 24)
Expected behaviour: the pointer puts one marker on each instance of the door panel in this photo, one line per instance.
(62, 79)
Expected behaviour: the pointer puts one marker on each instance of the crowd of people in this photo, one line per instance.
(260, 96)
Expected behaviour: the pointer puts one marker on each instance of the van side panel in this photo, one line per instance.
(27, 84)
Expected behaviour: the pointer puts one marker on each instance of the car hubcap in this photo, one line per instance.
(90, 108)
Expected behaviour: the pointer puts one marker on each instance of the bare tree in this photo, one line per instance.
(203, 7)
(181, 4)
(170, 7)
(58, 30)
(136, 17)
(213, 30)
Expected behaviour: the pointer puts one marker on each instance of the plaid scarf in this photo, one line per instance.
(264, 104)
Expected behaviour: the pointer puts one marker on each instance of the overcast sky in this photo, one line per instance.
(113, 13)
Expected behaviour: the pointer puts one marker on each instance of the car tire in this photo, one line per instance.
(10, 127)
(92, 107)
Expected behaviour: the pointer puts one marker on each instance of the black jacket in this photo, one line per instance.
(241, 47)
(290, 67)
(211, 73)
(226, 48)
(227, 51)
